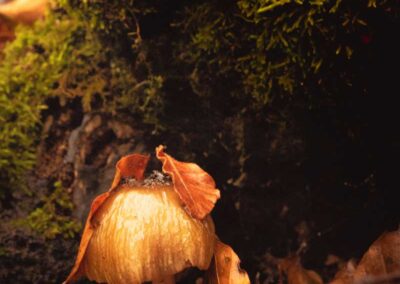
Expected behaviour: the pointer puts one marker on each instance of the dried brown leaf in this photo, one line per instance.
(195, 187)
(132, 166)
(225, 268)
(296, 274)
(381, 259)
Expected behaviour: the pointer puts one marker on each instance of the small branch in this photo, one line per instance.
(140, 85)
(137, 27)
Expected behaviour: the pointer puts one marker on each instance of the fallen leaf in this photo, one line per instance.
(132, 166)
(345, 274)
(381, 259)
(195, 187)
(296, 274)
(225, 268)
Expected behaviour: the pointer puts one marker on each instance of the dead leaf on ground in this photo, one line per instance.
(195, 187)
(382, 258)
(225, 267)
(295, 272)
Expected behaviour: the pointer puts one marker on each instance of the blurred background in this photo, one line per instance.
(289, 105)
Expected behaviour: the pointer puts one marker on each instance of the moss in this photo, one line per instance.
(30, 69)
(62, 56)
(274, 48)
(53, 218)
(3, 251)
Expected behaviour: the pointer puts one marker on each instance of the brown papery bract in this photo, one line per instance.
(225, 268)
(195, 187)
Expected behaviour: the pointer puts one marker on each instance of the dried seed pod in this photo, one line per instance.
(150, 230)
(144, 234)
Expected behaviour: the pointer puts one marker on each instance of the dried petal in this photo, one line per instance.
(130, 166)
(225, 268)
(195, 187)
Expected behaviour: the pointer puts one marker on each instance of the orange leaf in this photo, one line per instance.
(225, 268)
(296, 274)
(381, 259)
(132, 166)
(195, 187)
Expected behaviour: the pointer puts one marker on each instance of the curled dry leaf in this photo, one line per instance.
(195, 187)
(225, 268)
(382, 258)
(132, 166)
(296, 274)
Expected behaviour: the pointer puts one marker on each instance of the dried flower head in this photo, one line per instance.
(150, 230)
